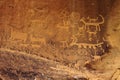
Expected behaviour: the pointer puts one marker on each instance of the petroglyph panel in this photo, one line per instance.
(47, 28)
(57, 36)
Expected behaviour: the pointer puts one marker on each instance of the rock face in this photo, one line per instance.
(58, 23)
(71, 32)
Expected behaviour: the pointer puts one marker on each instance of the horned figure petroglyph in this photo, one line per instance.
(92, 23)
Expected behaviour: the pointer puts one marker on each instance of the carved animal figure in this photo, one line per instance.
(96, 24)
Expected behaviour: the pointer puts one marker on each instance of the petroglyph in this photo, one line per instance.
(95, 24)
(87, 45)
